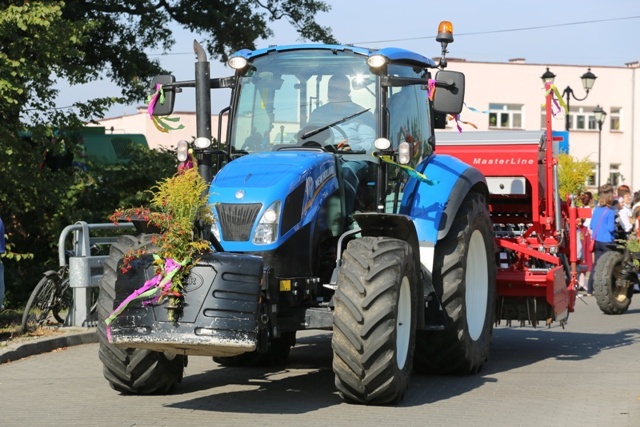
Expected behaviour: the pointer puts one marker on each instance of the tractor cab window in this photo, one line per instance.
(307, 97)
(409, 113)
(408, 121)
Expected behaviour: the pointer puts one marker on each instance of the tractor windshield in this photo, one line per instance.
(306, 97)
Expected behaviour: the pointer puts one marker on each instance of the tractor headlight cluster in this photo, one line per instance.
(267, 229)
(182, 150)
(404, 153)
(214, 229)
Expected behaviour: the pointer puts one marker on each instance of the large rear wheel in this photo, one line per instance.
(132, 371)
(374, 320)
(611, 289)
(465, 278)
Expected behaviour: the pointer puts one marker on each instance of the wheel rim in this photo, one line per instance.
(476, 285)
(619, 284)
(403, 323)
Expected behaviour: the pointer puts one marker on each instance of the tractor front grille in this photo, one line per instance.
(236, 220)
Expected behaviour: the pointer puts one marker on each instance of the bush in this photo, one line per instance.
(38, 203)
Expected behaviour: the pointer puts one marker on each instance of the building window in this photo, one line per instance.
(505, 116)
(615, 177)
(583, 119)
(614, 119)
(580, 119)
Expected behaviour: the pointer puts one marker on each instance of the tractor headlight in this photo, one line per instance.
(267, 228)
(183, 150)
(382, 144)
(202, 142)
(237, 62)
(214, 229)
(376, 61)
(404, 153)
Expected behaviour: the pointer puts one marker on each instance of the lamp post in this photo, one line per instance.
(588, 79)
(600, 115)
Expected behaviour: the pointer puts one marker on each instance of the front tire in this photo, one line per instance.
(374, 320)
(612, 291)
(465, 277)
(132, 371)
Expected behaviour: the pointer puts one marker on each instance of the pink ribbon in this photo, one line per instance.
(150, 288)
(154, 100)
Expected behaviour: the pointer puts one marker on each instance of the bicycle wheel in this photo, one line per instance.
(62, 301)
(39, 305)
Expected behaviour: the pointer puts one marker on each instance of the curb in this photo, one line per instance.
(18, 351)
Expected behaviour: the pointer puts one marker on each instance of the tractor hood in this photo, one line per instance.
(293, 184)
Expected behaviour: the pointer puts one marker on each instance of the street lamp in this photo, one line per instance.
(588, 79)
(600, 115)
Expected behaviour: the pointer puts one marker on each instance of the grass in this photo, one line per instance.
(10, 324)
(10, 328)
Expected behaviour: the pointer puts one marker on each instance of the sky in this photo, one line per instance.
(571, 32)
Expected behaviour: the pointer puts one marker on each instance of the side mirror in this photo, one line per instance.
(166, 108)
(449, 95)
(439, 121)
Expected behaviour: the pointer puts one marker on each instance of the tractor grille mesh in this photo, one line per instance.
(236, 220)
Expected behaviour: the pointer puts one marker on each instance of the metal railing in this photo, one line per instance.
(85, 270)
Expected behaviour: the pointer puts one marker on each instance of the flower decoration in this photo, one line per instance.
(178, 203)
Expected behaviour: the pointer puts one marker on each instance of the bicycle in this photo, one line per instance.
(50, 300)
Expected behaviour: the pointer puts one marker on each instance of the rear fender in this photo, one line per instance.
(433, 206)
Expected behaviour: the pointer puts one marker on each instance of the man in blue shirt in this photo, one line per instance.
(359, 130)
(357, 134)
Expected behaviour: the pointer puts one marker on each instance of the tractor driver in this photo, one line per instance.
(359, 132)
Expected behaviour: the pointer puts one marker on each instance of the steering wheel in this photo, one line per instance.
(325, 138)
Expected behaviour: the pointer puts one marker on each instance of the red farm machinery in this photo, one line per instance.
(534, 230)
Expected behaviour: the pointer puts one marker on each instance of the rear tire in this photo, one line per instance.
(40, 302)
(132, 371)
(464, 276)
(374, 321)
(608, 287)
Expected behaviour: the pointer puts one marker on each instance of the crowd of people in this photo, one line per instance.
(615, 216)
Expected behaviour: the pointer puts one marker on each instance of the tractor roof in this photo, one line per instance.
(393, 54)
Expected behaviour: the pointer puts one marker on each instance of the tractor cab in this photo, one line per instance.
(339, 99)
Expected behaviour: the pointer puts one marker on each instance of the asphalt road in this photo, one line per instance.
(585, 375)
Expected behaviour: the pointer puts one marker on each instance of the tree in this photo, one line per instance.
(572, 174)
(42, 42)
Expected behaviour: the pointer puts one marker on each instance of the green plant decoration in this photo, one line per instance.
(572, 174)
(178, 203)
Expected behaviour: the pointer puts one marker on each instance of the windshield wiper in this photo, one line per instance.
(317, 131)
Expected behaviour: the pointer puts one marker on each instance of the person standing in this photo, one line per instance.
(624, 214)
(603, 228)
(635, 213)
(2, 251)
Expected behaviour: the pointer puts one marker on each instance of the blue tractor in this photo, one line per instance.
(331, 211)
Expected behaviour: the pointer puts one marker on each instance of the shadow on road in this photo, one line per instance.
(305, 384)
